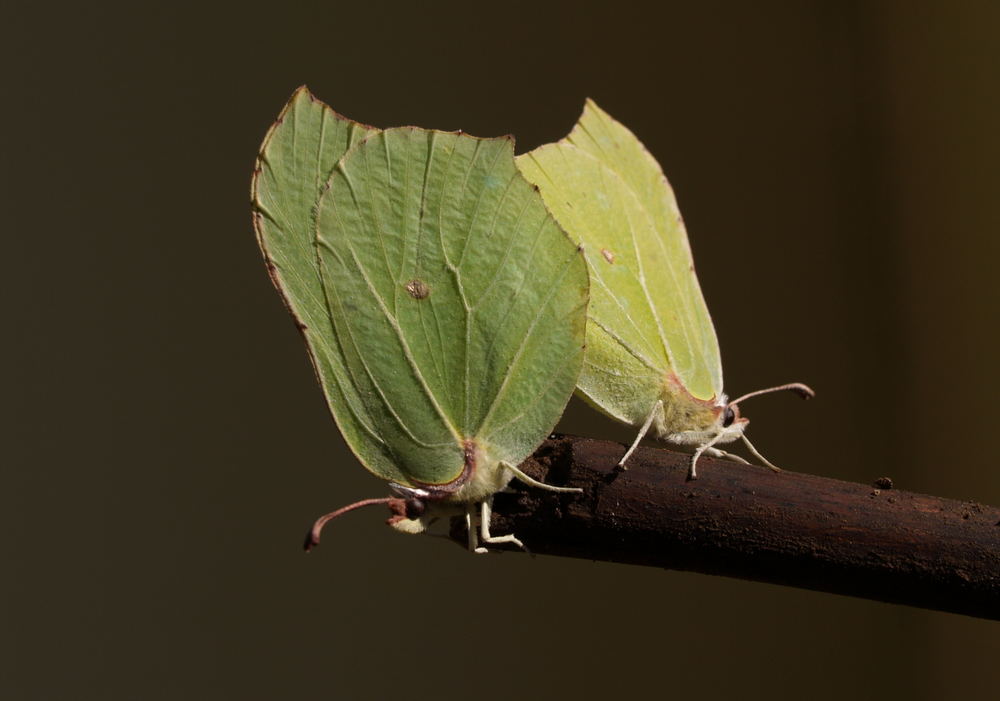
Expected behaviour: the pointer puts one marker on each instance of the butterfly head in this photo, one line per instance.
(730, 425)
(729, 416)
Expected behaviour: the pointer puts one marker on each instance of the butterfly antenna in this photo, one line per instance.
(800, 389)
(312, 538)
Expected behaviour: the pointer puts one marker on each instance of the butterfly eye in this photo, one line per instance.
(728, 417)
(414, 508)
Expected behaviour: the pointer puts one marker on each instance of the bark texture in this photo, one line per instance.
(744, 521)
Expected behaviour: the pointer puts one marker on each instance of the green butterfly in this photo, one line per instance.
(652, 355)
(443, 308)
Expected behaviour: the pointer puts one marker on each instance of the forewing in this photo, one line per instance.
(295, 161)
(444, 276)
(627, 355)
(679, 304)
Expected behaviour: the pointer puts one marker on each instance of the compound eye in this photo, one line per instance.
(728, 417)
(414, 508)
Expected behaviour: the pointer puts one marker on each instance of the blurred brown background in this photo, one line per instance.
(837, 164)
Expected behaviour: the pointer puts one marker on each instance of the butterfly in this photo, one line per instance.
(652, 357)
(443, 308)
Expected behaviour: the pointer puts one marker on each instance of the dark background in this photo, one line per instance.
(837, 165)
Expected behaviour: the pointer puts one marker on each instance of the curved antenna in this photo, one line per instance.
(312, 538)
(800, 389)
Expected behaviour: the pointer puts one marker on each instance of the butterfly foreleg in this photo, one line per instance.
(703, 448)
(470, 528)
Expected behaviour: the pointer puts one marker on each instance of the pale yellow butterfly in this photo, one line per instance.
(652, 357)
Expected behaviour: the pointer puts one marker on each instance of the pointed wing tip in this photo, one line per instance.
(591, 112)
(590, 105)
(301, 94)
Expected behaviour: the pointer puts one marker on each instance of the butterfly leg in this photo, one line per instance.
(717, 453)
(758, 455)
(532, 482)
(703, 448)
(485, 515)
(658, 407)
(470, 528)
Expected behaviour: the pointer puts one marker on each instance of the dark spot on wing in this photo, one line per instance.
(417, 288)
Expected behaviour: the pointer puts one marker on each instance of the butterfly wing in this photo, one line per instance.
(648, 317)
(626, 357)
(681, 306)
(455, 304)
(296, 159)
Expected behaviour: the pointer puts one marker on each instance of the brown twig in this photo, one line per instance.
(749, 522)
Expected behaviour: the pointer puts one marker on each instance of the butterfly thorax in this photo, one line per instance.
(683, 415)
(686, 419)
(481, 476)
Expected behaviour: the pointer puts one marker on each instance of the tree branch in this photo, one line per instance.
(749, 522)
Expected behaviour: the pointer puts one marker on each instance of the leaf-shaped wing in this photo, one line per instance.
(648, 315)
(627, 357)
(457, 300)
(296, 159)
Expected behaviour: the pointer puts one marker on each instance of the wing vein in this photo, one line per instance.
(501, 392)
(407, 353)
(375, 221)
(620, 341)
(506, 255)
(554, 377)
(378, 388)
(595, 270)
